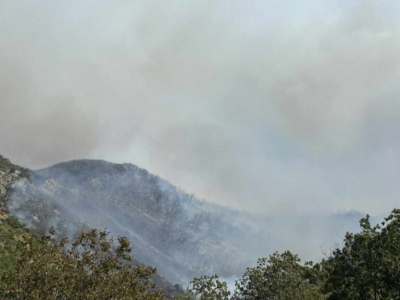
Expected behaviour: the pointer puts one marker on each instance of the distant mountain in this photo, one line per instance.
(169, 229)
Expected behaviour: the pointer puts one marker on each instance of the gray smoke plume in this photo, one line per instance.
(264, 106)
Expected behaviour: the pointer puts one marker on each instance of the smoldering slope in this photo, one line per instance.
(279, 107)
(182, 236)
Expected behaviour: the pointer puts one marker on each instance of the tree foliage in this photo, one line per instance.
(368, 265)
(209, 288)
(281, 276)
(91, 267)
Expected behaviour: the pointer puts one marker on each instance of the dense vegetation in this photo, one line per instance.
(93, 266)
(367, 267)
(50, 267)
(170, 229)
(180, 234)
(96, 267)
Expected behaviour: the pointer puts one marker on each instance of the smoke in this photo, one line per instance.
(261, 106)
(180, 235)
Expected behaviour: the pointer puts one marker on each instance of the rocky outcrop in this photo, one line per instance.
(9, 174)
(7, 178)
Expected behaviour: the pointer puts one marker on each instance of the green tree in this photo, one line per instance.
(389, 241)
(281, 277)
(354, 269)
(11, 234)
(368, 265)
(91, 267)
(209, 288)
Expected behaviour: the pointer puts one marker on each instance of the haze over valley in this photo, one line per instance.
(181, 235)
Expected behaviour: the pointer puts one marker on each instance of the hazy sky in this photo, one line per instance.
(268, 106)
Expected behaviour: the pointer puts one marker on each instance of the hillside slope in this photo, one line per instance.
(169, 229)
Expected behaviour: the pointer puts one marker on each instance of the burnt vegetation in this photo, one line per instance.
(93, 265)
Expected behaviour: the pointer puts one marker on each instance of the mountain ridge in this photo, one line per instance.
(182, 236)
(128, 201)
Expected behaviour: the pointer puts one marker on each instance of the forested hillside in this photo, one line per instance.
(95, 267)
(169, 228)
(41, 263)
(37, 264)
